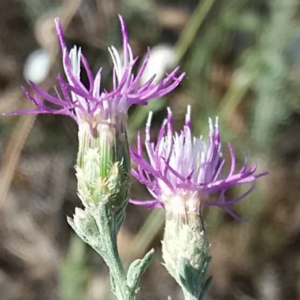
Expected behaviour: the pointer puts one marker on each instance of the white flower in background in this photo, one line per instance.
(163, 58)
(37, 66)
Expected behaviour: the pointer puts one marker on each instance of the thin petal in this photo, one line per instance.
(148, 203)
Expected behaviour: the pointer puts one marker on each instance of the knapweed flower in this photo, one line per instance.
(183, 171)
(103, 161)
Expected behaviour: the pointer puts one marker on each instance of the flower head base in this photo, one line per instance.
(103, 165)
(94, 105)
(184, 170)
(185, 251)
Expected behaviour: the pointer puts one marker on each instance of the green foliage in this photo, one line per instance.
(136, 270)
(98, 227)
(74, 272)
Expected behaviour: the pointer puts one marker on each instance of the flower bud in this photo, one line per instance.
(103, 164)
(184, 238)
(185, 247)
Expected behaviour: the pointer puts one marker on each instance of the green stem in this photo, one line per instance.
(117, 271)
(188, 296)
(108, 249)
(187, 36)
(149, 230)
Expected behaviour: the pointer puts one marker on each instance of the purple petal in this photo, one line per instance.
(148, 203)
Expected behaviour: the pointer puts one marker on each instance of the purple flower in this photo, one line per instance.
(92, 104)
(183, 171)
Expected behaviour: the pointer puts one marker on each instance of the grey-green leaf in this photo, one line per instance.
(137, 268)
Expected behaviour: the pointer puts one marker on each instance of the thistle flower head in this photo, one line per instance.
(103, 161)
(93, 104)
(184, 170)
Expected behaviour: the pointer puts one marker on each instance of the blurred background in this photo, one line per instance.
(242, 60)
